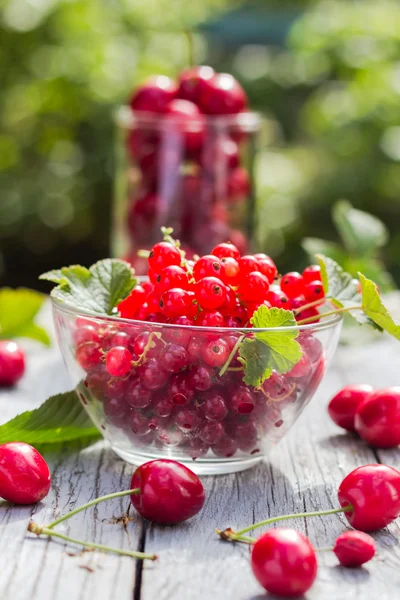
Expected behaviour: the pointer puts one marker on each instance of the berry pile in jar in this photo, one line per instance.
(170, 381)
(188, 153)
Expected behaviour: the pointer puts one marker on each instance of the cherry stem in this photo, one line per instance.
(92, 503)
(327, 314)
(39, 530)
(309, 305)
(228, 534)
(231, 356)
(190, 47)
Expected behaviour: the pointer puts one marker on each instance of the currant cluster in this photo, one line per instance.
(188, 165)
(170, 381)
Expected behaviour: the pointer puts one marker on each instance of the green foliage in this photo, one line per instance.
(18, 309)
(60, 419)
(98, 289)
(375, 309)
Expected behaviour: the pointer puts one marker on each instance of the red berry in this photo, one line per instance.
(175, 303)
(208, 266)
(267, 267)
(254, 306)
(314, 291)
(214, 406)
(226, 447)
(210, 292)
(222, 95)
(277, 298)
(210, 318)
(169, 492)
(118, 361)
(374, 493)
(179, 335)
(179, 390)
(86, 333)
(254, 287)
(185, 117)
(226, 250)
(200, 377)
(191, 82)
(154, 95)
(215, 352)
(163, 255)
(377, 418)
(247, 264)
(232, 271)
(187, 419)
(354, 548)
(301, 369)
(342, 408)
(292, 284)
(12, 363)
(174, 358)
(136, 395)
(24, 474)
(129, 307)
(242, 400)
(284, 562)
(88, 355)
(311, 273)
(212, 432)
(171, 277)
(152, 376)
(221, 156)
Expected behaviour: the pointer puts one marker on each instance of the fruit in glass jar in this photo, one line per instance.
(222, 95)
(154, 95)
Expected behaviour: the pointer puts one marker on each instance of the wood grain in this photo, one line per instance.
(303, 474)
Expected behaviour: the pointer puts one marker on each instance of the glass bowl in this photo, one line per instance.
(178, 400)
(195, 176)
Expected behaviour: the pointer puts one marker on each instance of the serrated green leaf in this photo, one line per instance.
(270, 350)
(60, 419)
(342, 289)
(18, 308)
(361, 232)
(98, 289)
(375, 309)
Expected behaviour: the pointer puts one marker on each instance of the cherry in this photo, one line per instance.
(284, 562)
(163, 255)
(154, 95)
(222, 156)
(118, 361)
(292, 284)
(222, 95)
(373, 491)
(210, 292)
(185, 117)
(377, 418)
(208, 266)
(215, 352)
(342, 408)
(191, 82)
(24, 474)
(12, 363)
(169, 492)
(311, 273)
(226, 250)
(354, 548)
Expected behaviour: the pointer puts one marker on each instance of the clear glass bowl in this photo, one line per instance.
(195, 176)
(173, 403)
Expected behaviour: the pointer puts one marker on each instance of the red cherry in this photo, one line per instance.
(140, 142)
(311, 273)
(169, 492)
(342, 408)
(377, 418)
(191, 82)
(354, 548)
(222, 95)
(24, 474)
(374, 493)
(185, 117)
(284, 562)
(154, 95)
(12, 362)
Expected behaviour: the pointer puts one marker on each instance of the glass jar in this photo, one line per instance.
(196, 177)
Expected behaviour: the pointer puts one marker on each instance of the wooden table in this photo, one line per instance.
(302, 475)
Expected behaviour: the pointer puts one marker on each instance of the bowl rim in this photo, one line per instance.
(65, 307)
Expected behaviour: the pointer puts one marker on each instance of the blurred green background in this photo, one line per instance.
(326, 75)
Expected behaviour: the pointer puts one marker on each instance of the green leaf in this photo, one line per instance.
(60, 419)
(270, 350)
(96, 290)
(18, 308)
(342, 289)
(375, 309)
(361, 232)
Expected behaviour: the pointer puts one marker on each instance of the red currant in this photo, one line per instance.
(171, 277)
(208, 266)
(253, 288)
(215, 353)
(267, 267)
(175, 302)
(118, 361)
(210, 292)
(247, 264)
(174, 358)
(277, 298)
(311, 273)
(226, 250)
(129, 307)
(314, 291)
(163, 255)
(232, 271)
(292, 284)
(210, 318)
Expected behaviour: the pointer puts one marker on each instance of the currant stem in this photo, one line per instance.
(232, 354)
(92, 503)
(327, 314)
(234, 535)
(309, 305)
(66, 538)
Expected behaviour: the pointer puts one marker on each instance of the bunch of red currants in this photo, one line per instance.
(190, 160)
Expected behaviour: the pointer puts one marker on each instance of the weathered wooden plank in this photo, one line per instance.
(304, 473)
